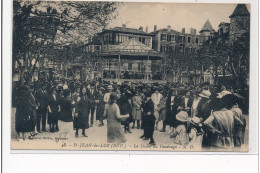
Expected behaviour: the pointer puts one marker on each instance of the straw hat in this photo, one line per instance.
(195, 121)
(182, 116)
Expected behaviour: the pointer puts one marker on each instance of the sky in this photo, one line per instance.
(177, 15)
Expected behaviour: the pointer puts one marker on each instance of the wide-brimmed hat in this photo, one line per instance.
(195, 121)
(205, 94)
(182, 116)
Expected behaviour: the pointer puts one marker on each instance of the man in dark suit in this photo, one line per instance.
(148, 119)
(53, 110)
(186, 102)
(41, 100)
(92, 97)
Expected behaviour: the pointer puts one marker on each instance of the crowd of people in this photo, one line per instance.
(203, 115)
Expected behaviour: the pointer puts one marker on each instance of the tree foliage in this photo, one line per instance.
(45, 28)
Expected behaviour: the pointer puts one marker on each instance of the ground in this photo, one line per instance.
(96, 140)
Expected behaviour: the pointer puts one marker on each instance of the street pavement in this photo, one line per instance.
(96, 140)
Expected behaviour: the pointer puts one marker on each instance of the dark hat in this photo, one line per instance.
(53, 88)
(147, 94)
(113, 96)
(66, 92)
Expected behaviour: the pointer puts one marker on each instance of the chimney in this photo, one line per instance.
(146, 29)
(169, 28)
(155, 28)
(141, 28)
(183, 30)
(192, 31)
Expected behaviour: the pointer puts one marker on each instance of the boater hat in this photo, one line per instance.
(195, 121)
(182, 116)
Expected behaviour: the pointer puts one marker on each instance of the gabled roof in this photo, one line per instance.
(166, 30)
(207, 27)
(132, 49)
(132, 45)
(127, 30)
(240, 10)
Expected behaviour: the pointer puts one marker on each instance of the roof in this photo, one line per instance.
(171, 31)
(240, 10)
(224, 24)
(207, 27)
(127, 30)
(132, 47)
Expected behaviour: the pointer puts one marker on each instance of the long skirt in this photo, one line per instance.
(23, 124)
(162, 115)
(115, 132)
(53, 118)
(100, 112)
(137, 114)
(81, 122)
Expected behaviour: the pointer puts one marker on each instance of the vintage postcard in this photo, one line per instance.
(130, 76)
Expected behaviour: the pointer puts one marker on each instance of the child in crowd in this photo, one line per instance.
(196, 134)
(181, 136)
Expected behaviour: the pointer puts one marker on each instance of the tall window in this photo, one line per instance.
(163, 36)
(197, 40)
(140, 66)
(168, 37)
(130, 66)
(189, 39)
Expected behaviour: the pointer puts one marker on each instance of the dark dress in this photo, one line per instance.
(23, 121)
(100, 107)
(82, 108)
(54, 106)
(66, 110)
(148, 120)
(125, 108)
(171, 111)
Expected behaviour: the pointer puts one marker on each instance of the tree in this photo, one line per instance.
(232, 56)
(63, 23)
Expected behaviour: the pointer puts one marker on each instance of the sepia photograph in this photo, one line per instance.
(130, 76)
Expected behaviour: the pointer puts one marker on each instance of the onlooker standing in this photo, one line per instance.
(156, 97)
(187, 102)
(33, 107)
(107, 95)
(100, 106)
(162, 110)
(92, 94)
(23, 122)
(42, 102)
(194, 107)
(53, 110)
(136, 109)
(81, 119)
(148, 119)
